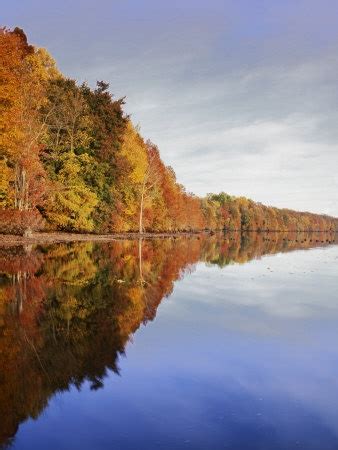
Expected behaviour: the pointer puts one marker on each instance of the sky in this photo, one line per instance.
(239, 95)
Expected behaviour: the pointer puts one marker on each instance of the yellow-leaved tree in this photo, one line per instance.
(72, 202)
(139, 188)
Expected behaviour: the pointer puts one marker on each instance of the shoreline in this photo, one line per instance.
(58, 237)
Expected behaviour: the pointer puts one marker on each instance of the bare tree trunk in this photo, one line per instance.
(149, 182)
(21, 188)
(26, 204)
(141, 209)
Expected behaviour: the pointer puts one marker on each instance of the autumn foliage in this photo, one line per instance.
(71, 154)
(20, 222)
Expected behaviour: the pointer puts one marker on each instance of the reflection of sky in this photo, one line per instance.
(240, 95)
(243, 357)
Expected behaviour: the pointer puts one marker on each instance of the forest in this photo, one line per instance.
(72, 160)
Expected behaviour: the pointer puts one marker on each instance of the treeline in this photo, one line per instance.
(71, 160)
(240, 213)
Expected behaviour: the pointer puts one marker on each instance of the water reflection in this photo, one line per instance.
(67, 311)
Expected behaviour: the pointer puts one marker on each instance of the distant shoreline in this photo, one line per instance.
(58, 237)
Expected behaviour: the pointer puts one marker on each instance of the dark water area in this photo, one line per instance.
(203, 342)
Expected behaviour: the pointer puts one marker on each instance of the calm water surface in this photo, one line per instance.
(191, 343)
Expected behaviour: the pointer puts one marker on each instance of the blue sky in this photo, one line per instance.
(240, 96)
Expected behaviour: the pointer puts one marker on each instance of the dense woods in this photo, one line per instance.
(67, 311)
(71, 160)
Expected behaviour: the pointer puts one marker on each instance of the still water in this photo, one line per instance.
(206, 343)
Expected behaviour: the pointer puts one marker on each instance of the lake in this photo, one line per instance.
(202, 342)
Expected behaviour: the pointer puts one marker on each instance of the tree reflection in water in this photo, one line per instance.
(67, 311)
